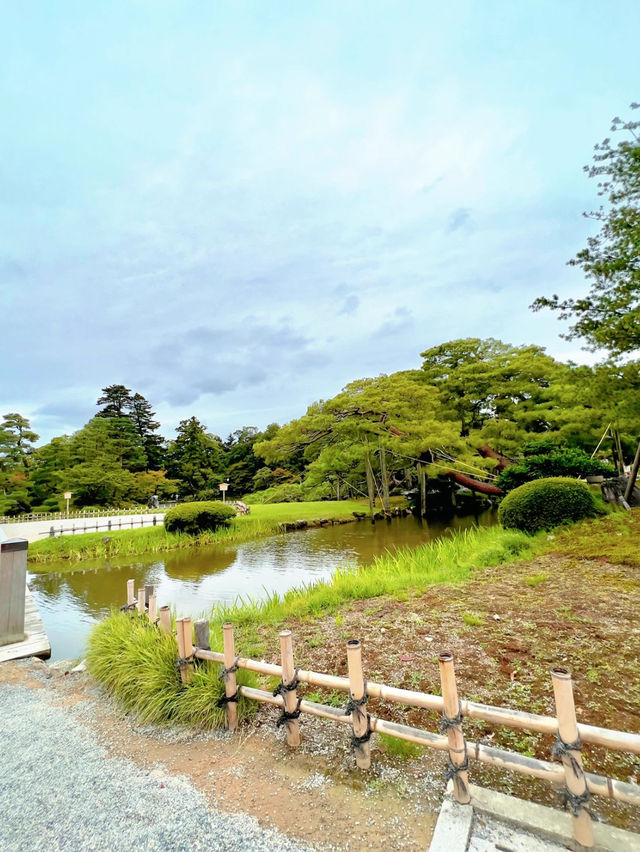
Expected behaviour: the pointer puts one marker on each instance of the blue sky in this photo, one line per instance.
(236, 208)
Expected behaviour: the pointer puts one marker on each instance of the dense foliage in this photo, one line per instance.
(546, 459)
(137, 663)
(194, 518)
(546, 503)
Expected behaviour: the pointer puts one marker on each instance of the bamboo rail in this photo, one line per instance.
(578, 784)
(614, 740)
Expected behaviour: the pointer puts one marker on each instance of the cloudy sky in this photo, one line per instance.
(236, 207)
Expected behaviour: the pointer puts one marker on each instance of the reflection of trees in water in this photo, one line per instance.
(196, 564)
(97, 589)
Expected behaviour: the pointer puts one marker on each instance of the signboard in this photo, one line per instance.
(67, 495)
(223, 486)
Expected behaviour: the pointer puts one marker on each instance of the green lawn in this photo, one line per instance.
(263, 521)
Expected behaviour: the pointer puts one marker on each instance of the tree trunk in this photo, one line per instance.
(385, 481)
(370, 485)
(633, 475)
(422, 485)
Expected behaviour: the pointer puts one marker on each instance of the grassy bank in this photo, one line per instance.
(124, 652)
(263, 521)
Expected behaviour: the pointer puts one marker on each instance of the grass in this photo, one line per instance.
(449, 559)
(401, 749)
(263, 521)
(536, 579)
(473, 620)
(137, 664)
(614, 537)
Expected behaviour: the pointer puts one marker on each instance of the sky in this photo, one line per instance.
(235, 208)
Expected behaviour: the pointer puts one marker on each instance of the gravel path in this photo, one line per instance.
(59, 790)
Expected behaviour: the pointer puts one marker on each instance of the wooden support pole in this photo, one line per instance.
(153, 609)
(633, 475)
(188, 649)
(576, 784)
(131, 594)
(384, 476)
(370, 485)
(201, 629)
(452, 725)
(231, 687)
(359, 715)
(148, 591)
(141, 607)
(165, 619)
(292, 726)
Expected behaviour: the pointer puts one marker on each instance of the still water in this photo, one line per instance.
(192, 581)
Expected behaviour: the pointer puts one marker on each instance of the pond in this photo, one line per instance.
(193, 580)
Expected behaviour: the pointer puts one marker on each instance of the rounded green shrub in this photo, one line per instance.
(194, 518)
(546, 503)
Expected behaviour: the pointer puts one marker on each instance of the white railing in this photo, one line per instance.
(110, 526)
(82, 513)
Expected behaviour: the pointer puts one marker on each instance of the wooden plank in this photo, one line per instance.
(13, 573)
(36, 643)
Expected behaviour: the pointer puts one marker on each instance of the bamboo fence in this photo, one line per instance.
(570, 735)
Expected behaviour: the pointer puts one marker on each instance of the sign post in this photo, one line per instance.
(67, 497)
(223, 487)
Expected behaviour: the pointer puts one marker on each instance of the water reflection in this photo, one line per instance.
(192, 581)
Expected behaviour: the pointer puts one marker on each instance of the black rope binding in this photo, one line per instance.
(285, 716)
(562, 749)
(227, 699)
(363, 738)
(353, 704)
(282, 687)
(128, 607)
(182, 661)
(233, 668)
(452, 771)
(577, 802)
(448, 722)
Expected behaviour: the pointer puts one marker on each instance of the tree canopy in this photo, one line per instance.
(608, 317)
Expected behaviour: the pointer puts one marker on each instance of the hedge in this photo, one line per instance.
(546, 503)
(194, 518)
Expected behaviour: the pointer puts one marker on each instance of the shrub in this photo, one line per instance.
(194, 518)
(550, 461)
(546, 503)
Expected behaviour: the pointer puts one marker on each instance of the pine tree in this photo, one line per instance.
(116, 400)
(142, 416)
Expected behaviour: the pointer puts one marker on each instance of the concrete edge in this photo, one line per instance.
(547, 822)
(453, 827)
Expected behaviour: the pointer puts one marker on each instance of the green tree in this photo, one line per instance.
(153, 444)
(608, 317)
(492, 389)
(195, 457)
(116, 400)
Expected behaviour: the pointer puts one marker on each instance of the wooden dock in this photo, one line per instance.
(35, 642)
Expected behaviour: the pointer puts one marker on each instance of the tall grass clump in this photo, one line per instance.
(448, 559)
(136, 663)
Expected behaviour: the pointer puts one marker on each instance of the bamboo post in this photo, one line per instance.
(188, 649)
(141, 597)
(576, 785)
(357, 705)
(153, 609)
(185, 671)
(452, 726)
(202, 634)
(131, 595)
(289, 696)
(231, 687)
(165, 619)
(148, 591)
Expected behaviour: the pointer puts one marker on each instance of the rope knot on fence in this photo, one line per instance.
(225, 672)
(562, 749)
(287, 715)
(354, 704)
(363, 738)
(227, 699)
(448, 722)
(283, 687)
